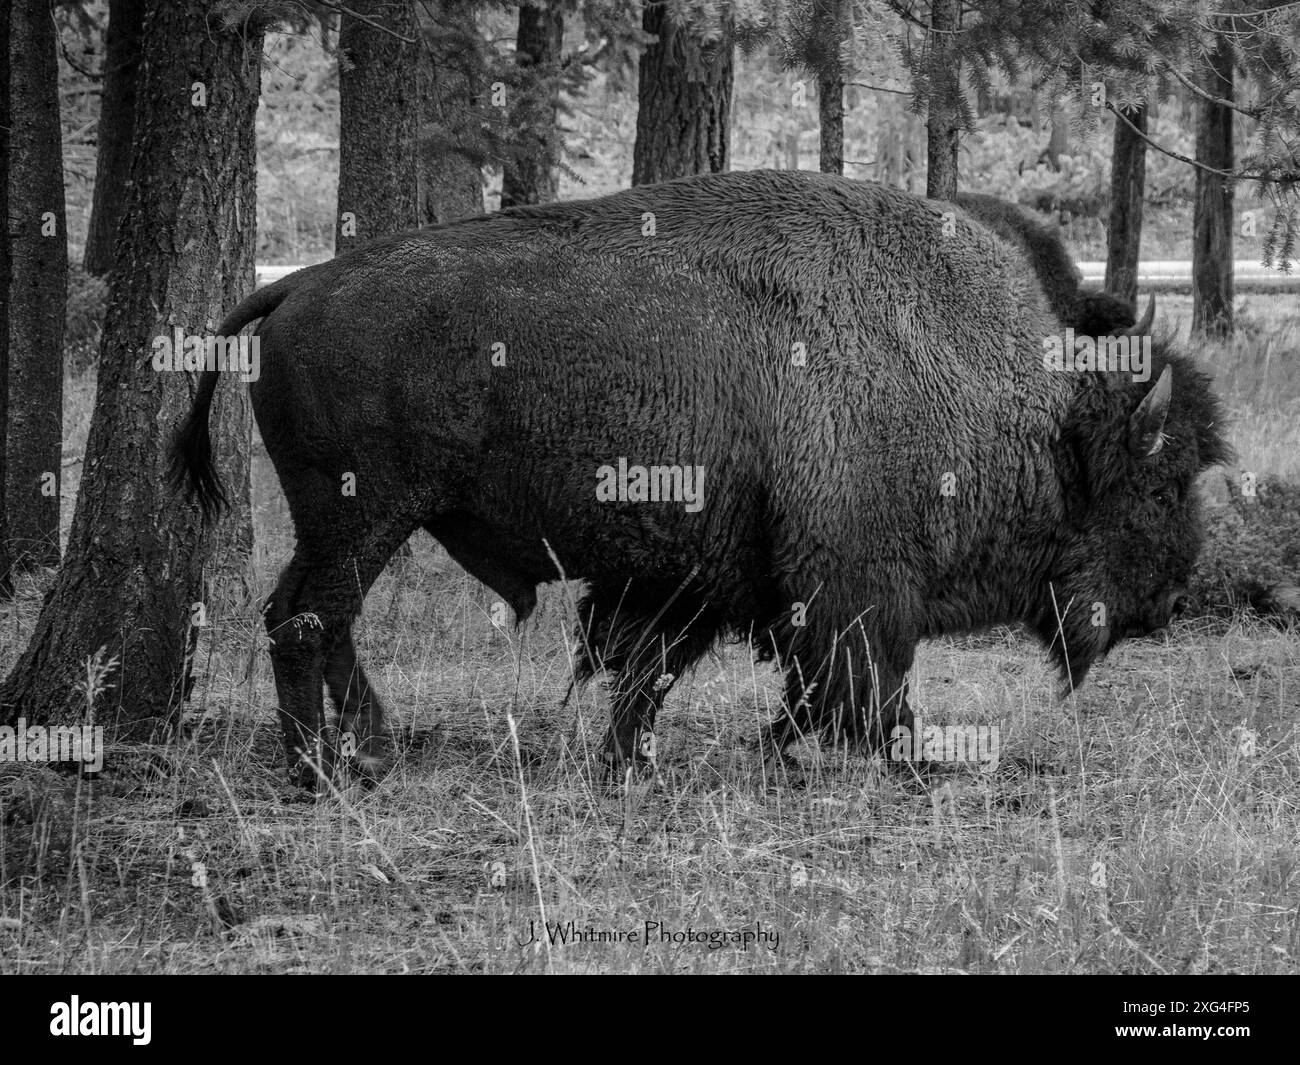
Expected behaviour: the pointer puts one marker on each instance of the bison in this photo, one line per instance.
(1089, 313)
(850, 385)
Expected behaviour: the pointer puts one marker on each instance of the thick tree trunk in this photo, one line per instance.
(116, 123)
(531, 176)
(449, 176)
(1212, 217)
(383, 82)
(6, 565)
(830, 111)
(684, 100)
(943, 123)
(134, 566)
(37, 292)
(379, 107)
(830, 28)
(1128, 178)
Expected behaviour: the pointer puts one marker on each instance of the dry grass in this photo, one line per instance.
(1160, 837)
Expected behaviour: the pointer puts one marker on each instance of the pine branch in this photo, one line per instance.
(1187, 83)
(334, 5)
(1284, 176)
(879, 88)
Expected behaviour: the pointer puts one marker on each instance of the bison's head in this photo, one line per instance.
(1099, 314)
(1127, 459)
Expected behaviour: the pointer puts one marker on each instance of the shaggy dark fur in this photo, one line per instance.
(921, 473)
(1090, 313)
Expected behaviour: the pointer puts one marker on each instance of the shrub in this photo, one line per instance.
(1251, 557)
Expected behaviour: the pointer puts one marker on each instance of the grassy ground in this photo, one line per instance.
(1161, 837)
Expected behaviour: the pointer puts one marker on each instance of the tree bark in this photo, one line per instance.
(6, 564)
(1212, 276)
(37, 292)
(136, 554)
(830, 112)
(449, 174)
(1128, 170)
(531, 177)
(943, 122)
(1058, 141)
(684, 100)
(379, 106)
(116, 123)
(830, 27)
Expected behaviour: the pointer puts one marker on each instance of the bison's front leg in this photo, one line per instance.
(636, 702)
(861, 700)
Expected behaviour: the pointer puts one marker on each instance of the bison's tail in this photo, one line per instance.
(192, 468)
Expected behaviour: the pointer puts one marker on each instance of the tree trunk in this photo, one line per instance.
(37, 292)
(1212, 217)
(792, 150)
(943, 122)
(6, 564)
(116, 122)
(135, 554)
(1128, 177)
(449, 175)
(531, 176)
(379, 105)
(830, 111)
(830, 28)
(684, 100)
(1058, 141)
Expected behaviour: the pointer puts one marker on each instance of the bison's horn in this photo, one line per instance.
(1147, 426)
(1144, 327)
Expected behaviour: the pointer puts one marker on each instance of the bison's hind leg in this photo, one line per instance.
(362, 736)
(297, 657)
(309, 621)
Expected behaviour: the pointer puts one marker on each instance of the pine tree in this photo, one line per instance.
(1127, 193)
(530, 176)
(37, 289)
(684, 92)
(379, 114)
(125, 594)
(1212, 263)
(454, 64)
(113, 131)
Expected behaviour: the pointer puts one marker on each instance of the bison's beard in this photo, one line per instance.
(1066, 626)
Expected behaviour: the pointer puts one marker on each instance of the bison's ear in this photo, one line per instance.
(1147, 426)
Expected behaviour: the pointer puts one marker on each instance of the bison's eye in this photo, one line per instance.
(1166, 495)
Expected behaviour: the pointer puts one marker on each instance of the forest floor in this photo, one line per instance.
(1159, 834)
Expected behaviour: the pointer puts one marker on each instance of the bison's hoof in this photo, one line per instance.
(302, 775)
(369, 767)
(784, 770)
(312, 773)
(619, 771)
